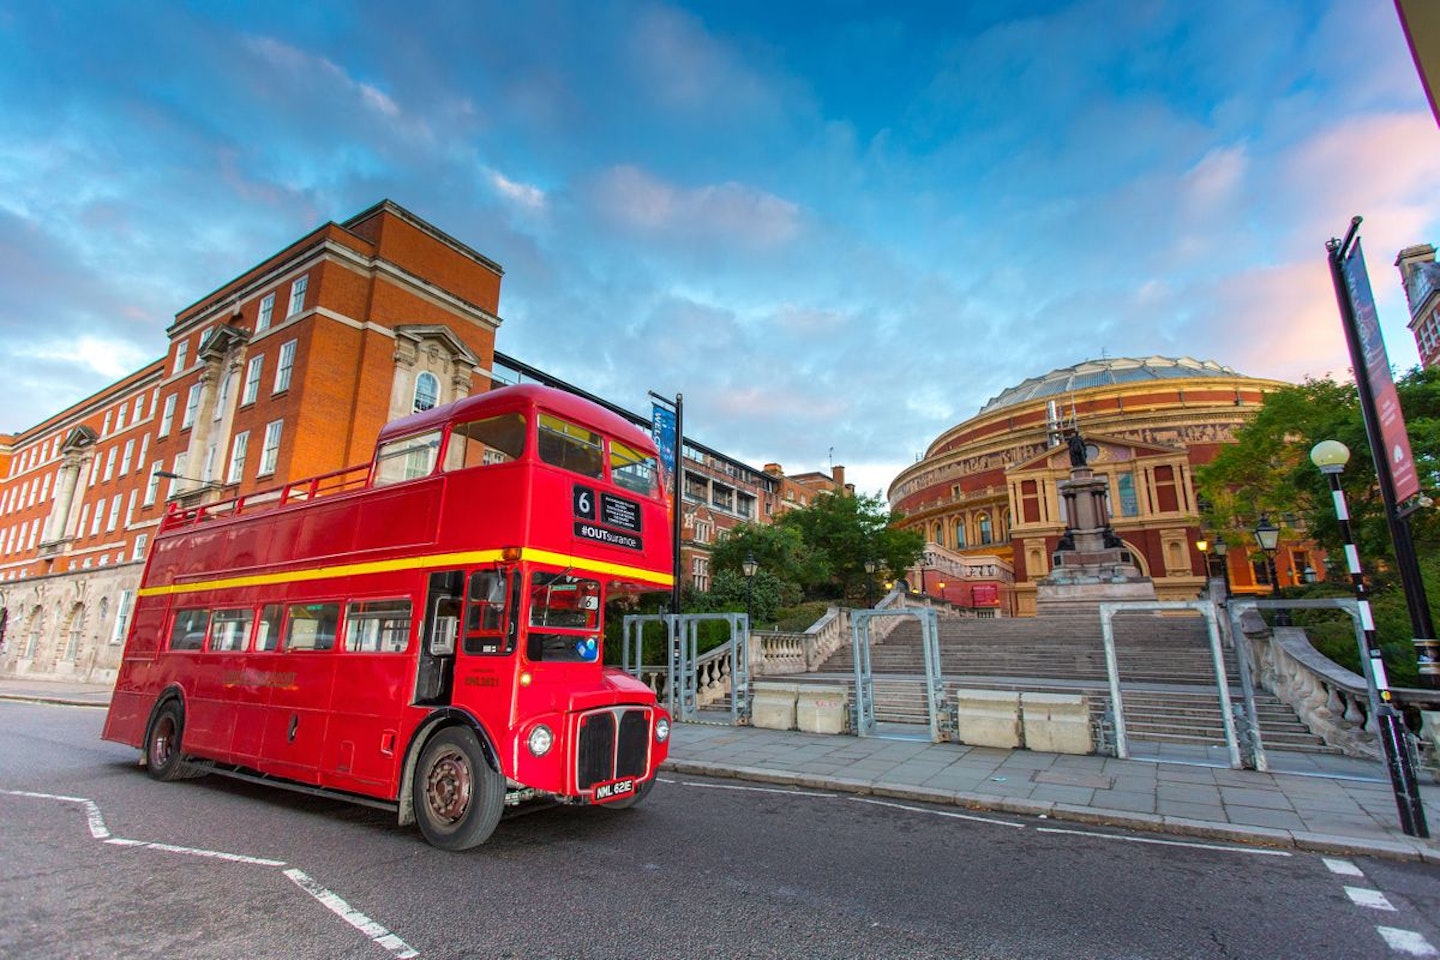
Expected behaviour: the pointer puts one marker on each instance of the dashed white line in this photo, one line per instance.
(940, 813)
(1254, 851)
(1407, 942)
(1343, 868)
(1365, 897)
(352, 916)
(98, 830)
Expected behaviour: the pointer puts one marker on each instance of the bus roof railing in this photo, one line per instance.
(343, 480)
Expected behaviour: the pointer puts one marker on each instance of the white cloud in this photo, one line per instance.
(731, 212)
(522, 194)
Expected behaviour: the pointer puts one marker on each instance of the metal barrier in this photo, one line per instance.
(941, 727)
(1205, 608)
(684, 664)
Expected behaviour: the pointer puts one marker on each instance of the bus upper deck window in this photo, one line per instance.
(485, 442)
(633, 470)
(571, 447)
(406, 458)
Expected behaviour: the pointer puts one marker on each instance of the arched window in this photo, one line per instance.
(77, 629)
(427, 391)
(986, 533)
(960, 533)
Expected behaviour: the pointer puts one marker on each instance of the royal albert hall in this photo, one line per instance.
(986, 492)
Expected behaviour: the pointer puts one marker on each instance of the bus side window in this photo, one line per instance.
(230, 629)
(486, 442)
(377, 626)
(188, 630)
(267, 637)
(311, 626)
(485, 613)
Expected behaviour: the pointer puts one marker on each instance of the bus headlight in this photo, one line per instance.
(540, 740)
(662, 730)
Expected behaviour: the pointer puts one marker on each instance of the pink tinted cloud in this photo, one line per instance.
(728, 212)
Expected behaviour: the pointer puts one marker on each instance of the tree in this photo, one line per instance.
(823, 548)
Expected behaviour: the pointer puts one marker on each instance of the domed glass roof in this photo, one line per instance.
(1105, 372)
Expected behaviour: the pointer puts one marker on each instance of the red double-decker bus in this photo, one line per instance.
(421, 633)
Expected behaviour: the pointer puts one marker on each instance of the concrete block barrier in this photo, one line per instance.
(1057, 722)
(988, 718)
(821, 709)
(772, 705)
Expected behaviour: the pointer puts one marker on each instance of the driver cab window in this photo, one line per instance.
(564, 618)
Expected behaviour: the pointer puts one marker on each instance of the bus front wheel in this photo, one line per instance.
(163, 760)
(458, 798)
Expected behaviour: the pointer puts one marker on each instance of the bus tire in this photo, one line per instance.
(457, 796)
(635, 799)
(163, 759)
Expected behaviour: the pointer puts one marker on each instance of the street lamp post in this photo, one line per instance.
(749, 567)
(1331, 456)
(1221, 548)
(1267, 538)
(870, 582)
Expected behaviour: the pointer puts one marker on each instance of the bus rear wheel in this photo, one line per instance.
(163, 759)
(458, 798)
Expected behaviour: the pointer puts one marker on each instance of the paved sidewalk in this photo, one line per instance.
(1323, 804)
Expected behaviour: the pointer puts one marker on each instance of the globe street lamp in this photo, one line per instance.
(749, 567)
(1267, 538)
(1331, 456)
(870, 582)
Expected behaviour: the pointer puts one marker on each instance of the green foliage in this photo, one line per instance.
(801, 617)
(1268, 470)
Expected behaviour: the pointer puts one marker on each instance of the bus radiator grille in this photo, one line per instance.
(603, 755)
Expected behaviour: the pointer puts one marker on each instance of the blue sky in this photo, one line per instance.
(837, 228)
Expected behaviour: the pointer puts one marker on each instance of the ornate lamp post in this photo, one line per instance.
(1221, 548)
(870, 581)
(1267, 538)
(1331, 456)
(749, 567)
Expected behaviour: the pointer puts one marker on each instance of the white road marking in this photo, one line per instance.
(726, 786)
(940, 813)
(96, 823)
(1407, 942)
(1365, 897)
(1342, 867)
(1256, 851)
(352, 916)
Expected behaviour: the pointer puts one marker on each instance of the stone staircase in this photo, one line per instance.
(1166, 672)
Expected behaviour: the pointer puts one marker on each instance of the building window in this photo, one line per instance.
(267, 310)
(427, 392)
(77, 630)
(192, 404)
(122, 616)
(237, 457)
(287, 364)
(120, 417)
(1029, 501)
(104, 430)
(152, 487)
(114, 519)
(98, 518)
(109, 465)
(181, 349)
(297, 296)
(987, 535)
(270, 452)
(252, 380)
(1166, 497)
(129, 456)
(1129, 505)
(960, 534)
(167, 419)
(140, 542)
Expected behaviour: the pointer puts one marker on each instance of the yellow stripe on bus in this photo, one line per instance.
(471, 558)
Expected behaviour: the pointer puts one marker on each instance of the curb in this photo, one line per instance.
(1420, 850)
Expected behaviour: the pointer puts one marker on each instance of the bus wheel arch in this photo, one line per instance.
(456, 795)
(164, 760)
(433, 725)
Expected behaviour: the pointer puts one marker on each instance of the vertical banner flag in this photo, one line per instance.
(1406, 483)
(662, 430)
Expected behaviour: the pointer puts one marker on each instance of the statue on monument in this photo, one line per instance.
(1078, 455)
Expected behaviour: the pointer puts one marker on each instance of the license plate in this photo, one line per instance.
(614, 790)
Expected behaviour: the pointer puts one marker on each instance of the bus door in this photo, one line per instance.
(304, 679)
(485, 667)
(444, 601)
